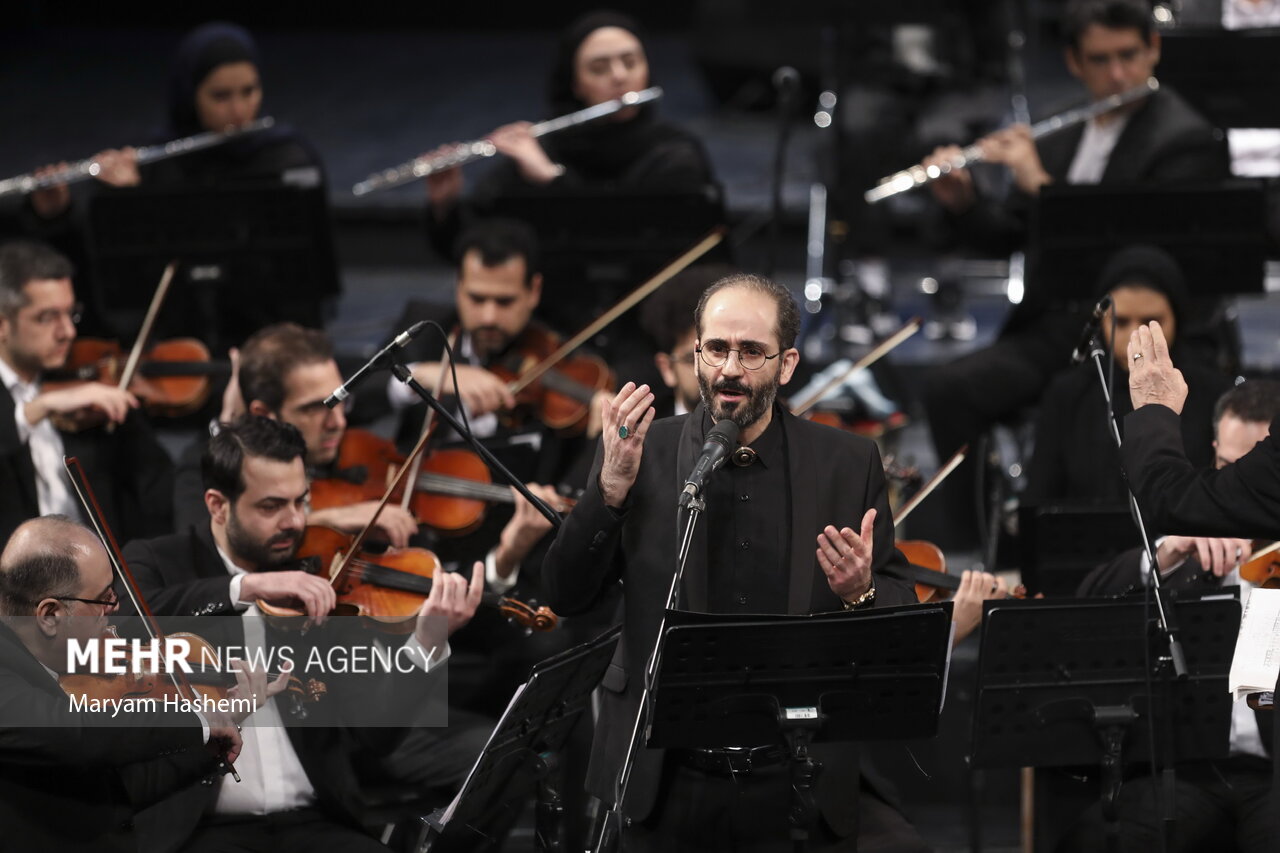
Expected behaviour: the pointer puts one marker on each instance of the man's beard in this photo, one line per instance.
(260, 554)
(494, 342)
(755, 403)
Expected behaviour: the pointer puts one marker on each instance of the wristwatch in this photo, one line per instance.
(866, 598)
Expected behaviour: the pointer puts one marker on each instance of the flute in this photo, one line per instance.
(919, 175)
(85, 169)
(469, 152)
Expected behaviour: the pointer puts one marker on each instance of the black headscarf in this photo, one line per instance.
(204, 49)
(1148, 266)
(602, 150)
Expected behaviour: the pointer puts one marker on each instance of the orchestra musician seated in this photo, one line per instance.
(39, 424)
(74, 780)
(309, 792)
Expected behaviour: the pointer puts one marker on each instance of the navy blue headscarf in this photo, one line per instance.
(204, 49)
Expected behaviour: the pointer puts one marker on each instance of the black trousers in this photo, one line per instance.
(1220, 806)
(698, 812)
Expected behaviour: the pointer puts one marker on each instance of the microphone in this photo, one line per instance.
(343, 391)
(1081, 352)
(719, 443)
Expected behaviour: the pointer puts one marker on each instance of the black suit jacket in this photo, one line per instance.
(187, 586)
(1242, 499)
(128, 469)
(72, 780)
(838, 477)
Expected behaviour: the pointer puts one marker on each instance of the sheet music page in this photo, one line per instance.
(1256, 662)
(466, 786)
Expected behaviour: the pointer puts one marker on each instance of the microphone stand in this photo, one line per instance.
(612, 822)
(1167, 625)
(406, 376)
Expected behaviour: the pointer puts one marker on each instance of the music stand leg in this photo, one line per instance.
(549, 816)
(804, 771)
(1113, 725)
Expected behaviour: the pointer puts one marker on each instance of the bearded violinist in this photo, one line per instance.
(284, 372)
(306, 789)
(72, 780)
(38, 313)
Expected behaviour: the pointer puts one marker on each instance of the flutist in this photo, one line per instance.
(600, 57)
(1111, 46)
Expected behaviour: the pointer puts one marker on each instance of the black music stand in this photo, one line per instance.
(248, 255)
(1060, 544)
(1218, 235)
(519, 757)
(1237, 89)
(1080, 682)
(796, 680)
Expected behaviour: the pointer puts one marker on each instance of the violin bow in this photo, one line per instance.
(144, 334)
(927, 489)
(879, 351)
(624, 305)
(93, 511)
(415, 461)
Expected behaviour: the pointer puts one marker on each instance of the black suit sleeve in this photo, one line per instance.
(584, 559)
(1242, 499)
(38, 728)
(166, 597)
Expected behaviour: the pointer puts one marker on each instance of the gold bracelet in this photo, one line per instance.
(869, 595)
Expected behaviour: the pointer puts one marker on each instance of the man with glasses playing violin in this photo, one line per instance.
(73, 779)
(38, 426)
(799, 523)
(307, 786)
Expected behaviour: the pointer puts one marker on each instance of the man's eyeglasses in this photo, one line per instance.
(716, 353)
(112, 600)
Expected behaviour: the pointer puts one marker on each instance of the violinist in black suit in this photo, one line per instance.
(755, 553)
(306, 789)
(38, 315)
(73, 779)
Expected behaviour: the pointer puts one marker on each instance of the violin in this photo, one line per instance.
(1263, 568)
(139, 682)
(560, 396)
(172, 377)
(450, 493)
(386, 590)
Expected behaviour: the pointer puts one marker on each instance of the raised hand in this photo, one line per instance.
(845, 557)
(626, 420)
(1152, 377)
(954, 191)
